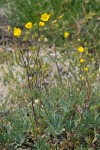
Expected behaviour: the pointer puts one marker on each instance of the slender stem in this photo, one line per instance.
(58, 72)
(30, 88)
(35, 118)
(88, 94)
(85, 106)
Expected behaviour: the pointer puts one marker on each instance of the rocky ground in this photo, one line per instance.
(3, 88)
(6, 56)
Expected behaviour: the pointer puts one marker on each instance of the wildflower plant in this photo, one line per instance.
(31, 55)
(32, 40)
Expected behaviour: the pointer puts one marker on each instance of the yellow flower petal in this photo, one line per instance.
(42, 24)
(66, 34)
(17, 31)
(60, 17)
(86, 68)
(78, 40)
(80, 49)
(8, 28)
(81, 60)
(45, 17)
(82, 78)
(28, 25)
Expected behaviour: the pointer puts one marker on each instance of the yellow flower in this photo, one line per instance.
(65, 44)
(54, 22)
(81, 60)
(86, 68)
(8, 28)
(17, 31)
(82, 78)
(78, 40)
(87, 53)
(42, 24)
(45, 17)
(66, 34)
(35, 24)
(80, 49)
(28, 25)
(60, 17)
(92, 59)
